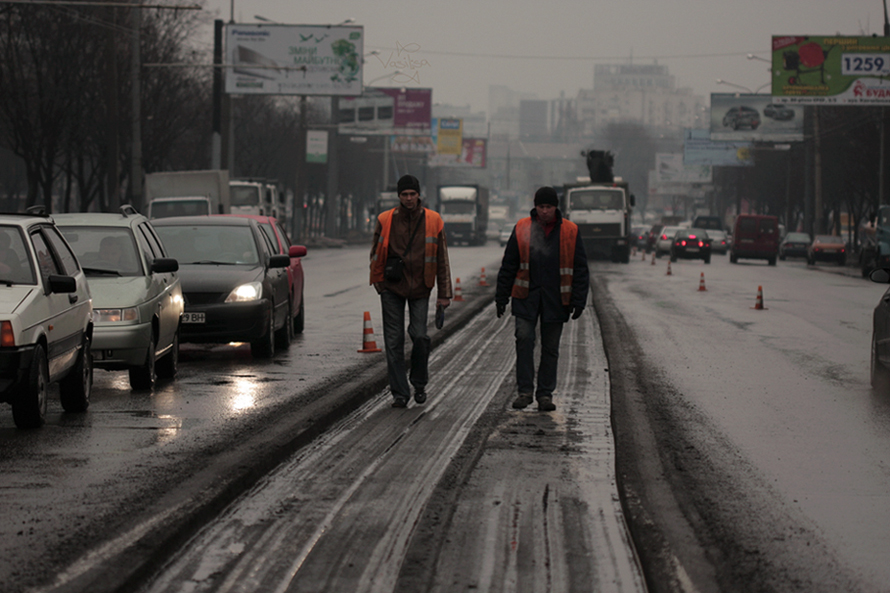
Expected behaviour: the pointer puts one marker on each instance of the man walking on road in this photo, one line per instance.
(408, 257)
(545, 270)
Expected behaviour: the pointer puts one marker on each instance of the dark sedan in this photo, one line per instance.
(691, 244)
(234, 282)
(794, 245)
(880, 334)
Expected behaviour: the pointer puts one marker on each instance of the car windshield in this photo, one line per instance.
(168, 208)
(797, 238)
(669, 231)
(828, 239)
(209, 244)
(104, 251)
(597, 199)
(458, 207)
(244, 195)
(15, 264)
(691, 234)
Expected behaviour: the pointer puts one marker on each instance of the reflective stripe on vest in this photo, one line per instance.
(432, 227)
(568, 234)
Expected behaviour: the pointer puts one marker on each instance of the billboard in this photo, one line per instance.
(831, 70)
(294, 59)
(387, 111)
(449, 132)
(750, 117)
(670, 169)
(473, 154)
(699, 149)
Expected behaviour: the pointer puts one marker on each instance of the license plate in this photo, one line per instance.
(193, 317)
(829, 250)
(692, 249)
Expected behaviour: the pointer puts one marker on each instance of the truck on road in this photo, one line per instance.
(464, 210)
(187, 193)
(601, 205)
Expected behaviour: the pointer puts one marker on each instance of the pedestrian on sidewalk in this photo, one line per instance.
(409, 256)
(544, 270)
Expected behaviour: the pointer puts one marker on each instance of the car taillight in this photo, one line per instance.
(701, 243)
(663, 237)
(7, 337)
(683, 243)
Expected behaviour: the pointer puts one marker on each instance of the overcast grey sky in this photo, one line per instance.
(458, 48)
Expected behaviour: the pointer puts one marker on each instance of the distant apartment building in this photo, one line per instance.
(645, 94)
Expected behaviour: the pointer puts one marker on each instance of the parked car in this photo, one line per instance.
(234, 282)
(755, 236)
(794, 245)
(691, 244)
(665, 239)
(276, 232)
(741, 117)
(880, 334)
(719, 241)
(46, 320)
(137, 297)
(778, 112)
(827, 248)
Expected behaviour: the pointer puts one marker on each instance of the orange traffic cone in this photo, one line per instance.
(458, 296)
(758, 304)
(701, 283)
(482, 281)
(368, 343)
(653, 258)
(669, 269)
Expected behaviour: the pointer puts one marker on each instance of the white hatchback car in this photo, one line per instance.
(137, 297)
(665, 239)
(46, 320)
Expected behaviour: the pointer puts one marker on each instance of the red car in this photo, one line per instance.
(274, 230)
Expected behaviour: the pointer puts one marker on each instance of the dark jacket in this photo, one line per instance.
(411, 285)
(543, 294)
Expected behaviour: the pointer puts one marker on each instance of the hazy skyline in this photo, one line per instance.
(549, 48)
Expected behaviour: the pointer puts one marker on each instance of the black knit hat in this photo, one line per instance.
(546, 195)
(408, 182)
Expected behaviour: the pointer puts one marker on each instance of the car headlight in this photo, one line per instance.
(251, 291)
(116, 315)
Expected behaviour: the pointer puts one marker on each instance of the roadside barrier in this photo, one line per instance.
(758, 304)
(482, 280)
(701, 283)
(458, 295)
(368, 342)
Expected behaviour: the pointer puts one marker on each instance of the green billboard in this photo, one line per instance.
(831, 70)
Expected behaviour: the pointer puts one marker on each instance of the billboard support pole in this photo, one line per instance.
(817, 174)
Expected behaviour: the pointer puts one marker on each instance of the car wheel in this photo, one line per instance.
(143, 377)
(75, 388)
(842, 261)
(880, 377)
(29, 408)
(782, 257)
(673, 258)
(811, 261)
(168, 366)
(657, 254)
(265, 346)
(300, 319)
(707, 259)
(772, 261)
(285, 335)
(733, 258)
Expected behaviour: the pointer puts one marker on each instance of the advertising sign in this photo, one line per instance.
(412, 145)
(316, 146)
(749, 117)
(699, 149)
(831, 70)
(669, 169)
(294, 59)
(387, 111)
(450, 134)
(472, 154)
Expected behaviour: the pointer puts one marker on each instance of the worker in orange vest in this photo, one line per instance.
(544, 270)
(409, 256)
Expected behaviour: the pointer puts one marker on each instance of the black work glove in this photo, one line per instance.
(575, 312)
(501, 308)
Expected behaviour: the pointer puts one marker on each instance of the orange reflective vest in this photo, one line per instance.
(568, 234)
(432, 227)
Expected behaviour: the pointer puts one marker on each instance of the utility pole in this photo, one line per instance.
(332, 216)
(136, 170)
(216, 140)
(300, 170)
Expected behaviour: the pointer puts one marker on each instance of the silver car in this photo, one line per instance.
(665, 239)
(137, 297)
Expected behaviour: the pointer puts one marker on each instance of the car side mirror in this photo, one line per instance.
(633, 200)
(62, 284)
(296, 251)
(279, 261)
(880, 276)
(164, 265)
